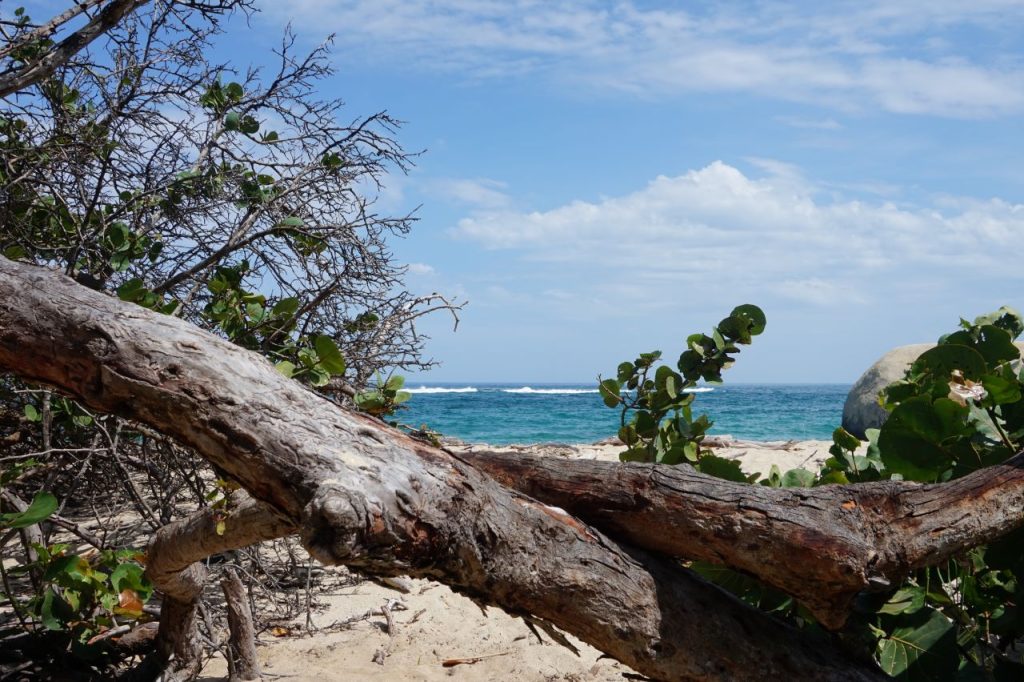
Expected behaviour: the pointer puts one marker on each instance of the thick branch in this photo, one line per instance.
(37, 70)
(821, 545)
(378, 501)
(174, 566)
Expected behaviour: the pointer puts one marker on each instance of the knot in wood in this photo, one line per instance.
(332, 526)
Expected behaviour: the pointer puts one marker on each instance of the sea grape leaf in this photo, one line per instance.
(1001, 390)
(719, 467)
(43, 505)
(915, 441)
(797, 478)
(996, 345)
(906, 600)
(942, 360)
(610, 392)
(330, 357)
(754, 314)
(922, 649)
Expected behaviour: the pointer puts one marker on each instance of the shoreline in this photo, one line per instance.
(754, 456)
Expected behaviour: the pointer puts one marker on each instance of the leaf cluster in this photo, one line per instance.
(657, 422)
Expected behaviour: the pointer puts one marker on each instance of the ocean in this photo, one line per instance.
(573, 413)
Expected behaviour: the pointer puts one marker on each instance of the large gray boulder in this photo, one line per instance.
(862, 411)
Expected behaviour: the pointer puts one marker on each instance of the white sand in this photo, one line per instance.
(437, 624)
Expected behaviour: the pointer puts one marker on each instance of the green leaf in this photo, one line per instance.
(922, 649)
(1001, 390)
(646, 425)
(286, 368)
(318, 376)
(254, 311)
(942, 360)
(627, 434)
(232, 121)
(610, 392)
(996, 345)
(132, 290)
(637, 453)
(43, 505)
(917, 439)
(249, 125)
(906, 600)
(234, 91)
(625, 372)
(797, 478)
(394, 383)
(292, 221)
(286, 307)
(719, 467)
(330, 357)
(736, 329)
(15, 252)
(755, 315)
(845, 439)
(32, 414)
(1005, 318)
(128, 576)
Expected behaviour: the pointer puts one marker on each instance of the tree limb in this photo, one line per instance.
(822, 545)
(380, 502)
(35, 71)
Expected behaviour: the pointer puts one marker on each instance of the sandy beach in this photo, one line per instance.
(432, 626)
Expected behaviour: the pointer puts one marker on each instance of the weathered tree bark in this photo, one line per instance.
(173, 565)
(38, 69)
(821, 545)
(243, 665)
(378, 501)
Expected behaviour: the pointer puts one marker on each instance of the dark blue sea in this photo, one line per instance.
(573, 413)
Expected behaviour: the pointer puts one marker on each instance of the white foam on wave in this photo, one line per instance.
(574, 391)
(549, 391)
(438, 389)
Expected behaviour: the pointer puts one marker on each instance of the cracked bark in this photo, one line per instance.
(822, 545)
(369, 497)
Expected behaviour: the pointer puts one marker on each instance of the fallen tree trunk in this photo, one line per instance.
(822, 545)
(369, 497)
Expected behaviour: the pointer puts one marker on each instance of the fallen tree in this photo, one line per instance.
(380, 502)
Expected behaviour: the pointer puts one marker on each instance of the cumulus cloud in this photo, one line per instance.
(775, 232)
(842, 54)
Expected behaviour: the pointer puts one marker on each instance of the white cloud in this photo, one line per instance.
(819, 292)
(478, 192)
(810, 123)
(420, 269)
(849, 55)
(777, 232)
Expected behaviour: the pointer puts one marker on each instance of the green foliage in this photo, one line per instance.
(85, 594)
(385, 399)
(957, 409)
(79, 595)
(657, 423)
(42, 507)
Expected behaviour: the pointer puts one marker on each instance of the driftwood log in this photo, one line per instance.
(822, 545)
(364, 495)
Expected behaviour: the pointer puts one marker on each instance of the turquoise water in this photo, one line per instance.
(573, 413)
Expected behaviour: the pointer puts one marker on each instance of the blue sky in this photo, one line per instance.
(605, 178)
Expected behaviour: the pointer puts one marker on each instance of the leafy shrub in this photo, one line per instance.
(959, 408)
